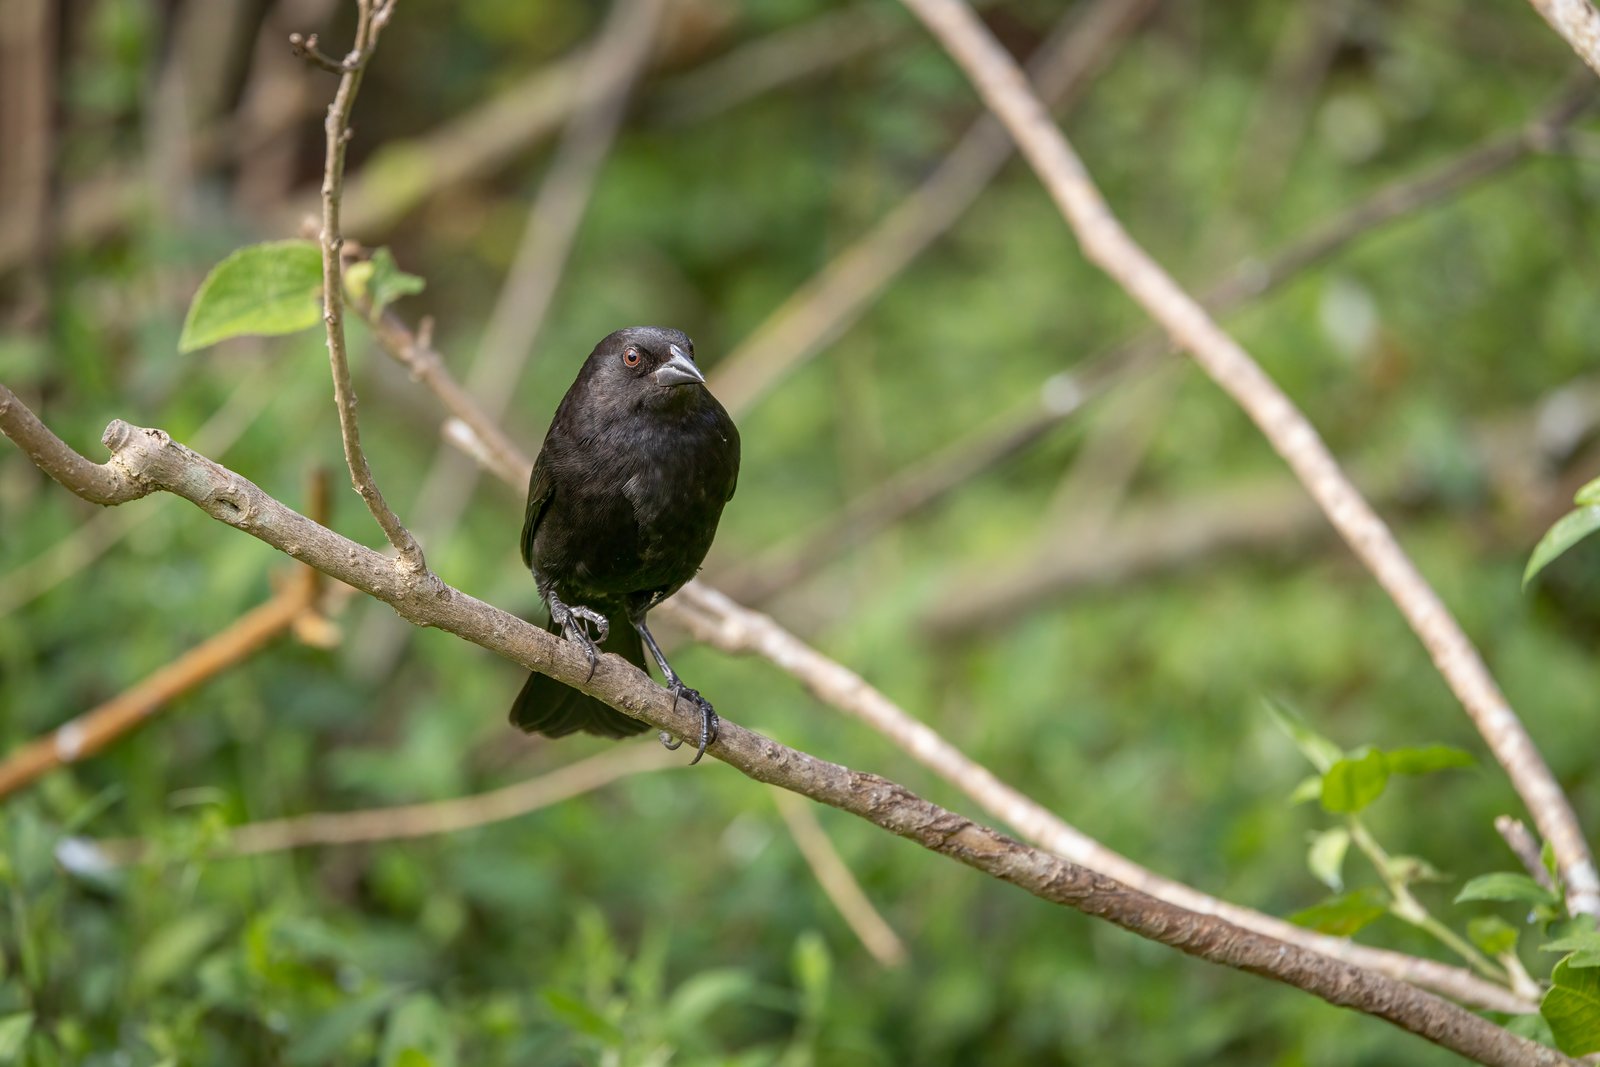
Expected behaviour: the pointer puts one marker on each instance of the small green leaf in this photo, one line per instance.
(176, 947)
(1571, 528)
(1410, 869)
(388, 282)
(14, 1030)
(813, 973)
(263, 289)
(1572, 1008)
(580, 1016)
(702, 995)
(1589, 495)
(1426, 759)
(1326, 857)
(1492, 934)
(1354, 782)
(418, 1034)
(1584, 947)
(1505, 885)
(1310, 788)
(1343, 915)
(323, 1040)
(1318, 749)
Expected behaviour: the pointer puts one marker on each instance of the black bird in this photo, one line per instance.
(622, 506)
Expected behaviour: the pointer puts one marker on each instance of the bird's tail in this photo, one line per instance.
(546, 706)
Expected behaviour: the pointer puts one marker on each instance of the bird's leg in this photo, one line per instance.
(675, 686)
(574, 620)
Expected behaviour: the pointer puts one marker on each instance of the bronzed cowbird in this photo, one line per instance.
(622, 506)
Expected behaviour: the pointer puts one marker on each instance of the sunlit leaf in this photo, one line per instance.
(1572, 1008)
(174, 948)
(418, 1034)
(581, 1017)
(1584, 946)
(1589, 495)
(1326, 857)
(14, 1030)
(1318, 749)
(1505, 885)
(702, 995)
(388, 282)
(263, 289)
(1354, 782)
(1571, 528)
(1310, 788)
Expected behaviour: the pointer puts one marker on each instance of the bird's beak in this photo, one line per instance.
(679, 370)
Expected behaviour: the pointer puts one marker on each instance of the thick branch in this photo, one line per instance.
(149, 460)
(1006, 91)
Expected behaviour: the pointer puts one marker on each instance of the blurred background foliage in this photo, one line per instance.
(669, 917)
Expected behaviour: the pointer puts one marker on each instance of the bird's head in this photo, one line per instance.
(653, 364)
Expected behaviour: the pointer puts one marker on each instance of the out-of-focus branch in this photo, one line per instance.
(295, 605)
(371, 16)
(928, 481)
(146, 460)
(875, 934)
(1005, 89)
(719, 622)
(827, 304)
(1578, 22)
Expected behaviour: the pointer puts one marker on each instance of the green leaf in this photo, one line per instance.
(1492, 934)
(813, 973)
(174, 949)
(1589, 495)
(14, 1030)
(1318, 749)
(1506, 885)
(263, 289)
(1426, 759)
(580, 1016)
(389, 283)
(1571, 528)
(1343, 915)
(1355, 781)
(1584, 947)
(703, 994)
(323, 1041)
(1310, 788)
(1572, 1008)
(1326, 857)
(1410, 869)
(418, 1034)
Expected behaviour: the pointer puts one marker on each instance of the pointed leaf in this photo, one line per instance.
(580, 1016)
(388, 282)
(1318, 749)
(1583, 945)
(1571, 528)
(1506, 885)
(1326, 857)
(14, 1030)
(263, 289)
(1588, 495)
(1572, 1008)
(1310, 788)
(1354, 782)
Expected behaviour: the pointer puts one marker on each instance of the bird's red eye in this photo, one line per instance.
(631, 357)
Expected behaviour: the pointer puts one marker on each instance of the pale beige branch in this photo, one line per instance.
(1006, 91)
(1578, 22)
(831, 872)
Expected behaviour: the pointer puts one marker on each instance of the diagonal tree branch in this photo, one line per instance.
(1005, 89)
(1578, 22)
(144, 461)
(719, 622)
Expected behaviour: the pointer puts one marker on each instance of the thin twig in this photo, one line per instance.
(371, 15)
(1005, 89)
(1525, 848)
(831, 872)
(1059, 397)
(1578, 22)
(719, 622)
(146, 460)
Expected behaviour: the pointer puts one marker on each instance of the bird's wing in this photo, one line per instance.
(541, 487)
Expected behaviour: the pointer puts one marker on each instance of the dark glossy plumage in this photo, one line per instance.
(622, 508)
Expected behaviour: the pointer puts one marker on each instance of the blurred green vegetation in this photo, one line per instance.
(669, 918)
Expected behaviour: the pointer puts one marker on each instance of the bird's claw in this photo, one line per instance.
(708, 720)
(575, 621)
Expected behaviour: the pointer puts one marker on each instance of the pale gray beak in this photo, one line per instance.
(679, 370)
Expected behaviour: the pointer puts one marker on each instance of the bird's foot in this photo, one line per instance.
(575, 620)
(708, 719)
